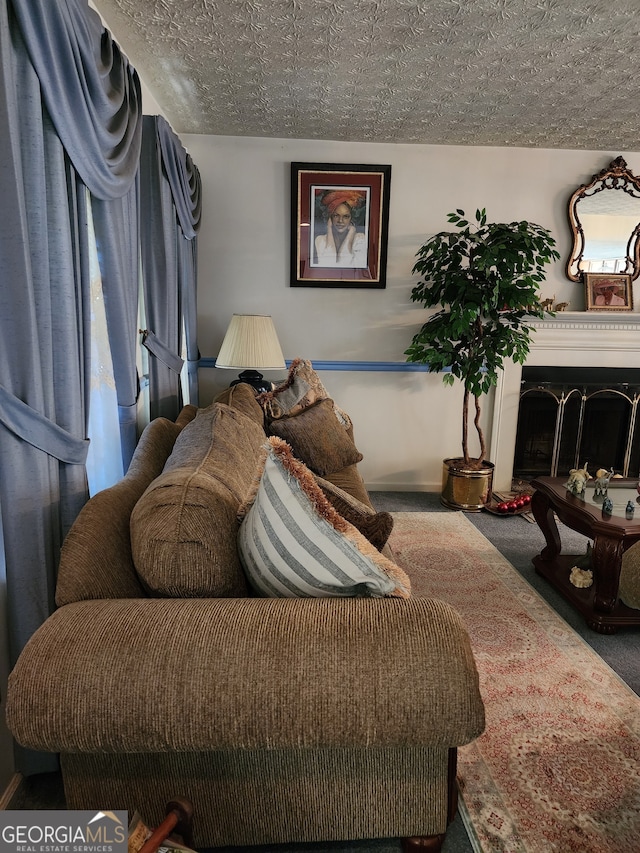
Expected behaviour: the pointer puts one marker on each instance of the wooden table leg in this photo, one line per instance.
(543, 513)
(607, 564)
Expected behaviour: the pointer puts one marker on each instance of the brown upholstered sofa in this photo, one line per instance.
(281, 719)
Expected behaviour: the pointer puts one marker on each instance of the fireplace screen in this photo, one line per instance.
(571, 416)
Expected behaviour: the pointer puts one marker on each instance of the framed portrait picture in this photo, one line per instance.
(339, 225)
(608, 291)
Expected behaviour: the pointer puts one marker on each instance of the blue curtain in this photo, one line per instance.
(171, 203)
(89, 88)
(94, 99)
(186, 191)
(71, 140)
(116, 224)
(71, 120)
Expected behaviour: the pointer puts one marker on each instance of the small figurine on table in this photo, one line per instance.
(607, 506)
(630, 509)
(577, 481)
(602, 481)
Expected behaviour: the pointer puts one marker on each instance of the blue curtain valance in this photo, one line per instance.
(183, 177)
(91, 91)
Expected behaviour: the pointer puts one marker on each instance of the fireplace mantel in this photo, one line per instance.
(569, 339)
(587, 331)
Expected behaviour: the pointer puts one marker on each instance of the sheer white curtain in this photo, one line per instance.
(104, 459)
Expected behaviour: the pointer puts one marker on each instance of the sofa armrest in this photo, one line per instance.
(152, 675)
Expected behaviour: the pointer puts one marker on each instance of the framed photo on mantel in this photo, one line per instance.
(608, 291)
(339, 225)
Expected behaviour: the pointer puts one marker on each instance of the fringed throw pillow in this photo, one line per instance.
(293, 543)
(301, 388)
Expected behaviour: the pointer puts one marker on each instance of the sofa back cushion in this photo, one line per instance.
(96, 560)
(243, 397)
(184, 527)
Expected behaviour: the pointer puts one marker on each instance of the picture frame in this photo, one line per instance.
(339, 225)
(608, 291)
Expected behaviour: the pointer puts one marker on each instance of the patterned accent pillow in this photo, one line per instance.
(317, 438)
(293, 544)
(301, 388)
(376, 526)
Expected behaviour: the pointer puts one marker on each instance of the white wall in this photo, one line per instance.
(405, 423)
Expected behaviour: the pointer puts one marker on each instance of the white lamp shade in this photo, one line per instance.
(251, 342)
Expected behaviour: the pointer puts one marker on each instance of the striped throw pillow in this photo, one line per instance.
(294, 544)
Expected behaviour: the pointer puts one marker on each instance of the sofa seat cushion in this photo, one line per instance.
(184, 527)
(318, 438)
(293, 543)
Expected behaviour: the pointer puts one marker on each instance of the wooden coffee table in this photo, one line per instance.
(611, 534)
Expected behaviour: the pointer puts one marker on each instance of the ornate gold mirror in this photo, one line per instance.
(604, 216)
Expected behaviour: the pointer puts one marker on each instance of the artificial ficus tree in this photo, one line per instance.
(485, 277)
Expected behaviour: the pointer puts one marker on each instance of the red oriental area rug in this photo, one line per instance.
(558, 767)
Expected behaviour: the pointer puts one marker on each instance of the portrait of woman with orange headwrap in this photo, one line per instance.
(339, 224)
(342, 242)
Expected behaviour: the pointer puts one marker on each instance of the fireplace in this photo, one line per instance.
(571, 416)
(598, 354)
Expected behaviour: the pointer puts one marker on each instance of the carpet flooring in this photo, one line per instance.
(518, 541)
(558, 765)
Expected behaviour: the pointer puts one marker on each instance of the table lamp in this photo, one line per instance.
(250, 343)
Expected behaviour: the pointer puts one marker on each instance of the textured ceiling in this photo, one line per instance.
(531, 73)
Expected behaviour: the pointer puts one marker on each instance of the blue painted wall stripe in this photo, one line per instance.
(372, 366)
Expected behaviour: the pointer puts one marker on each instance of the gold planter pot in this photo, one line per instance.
(465, 488)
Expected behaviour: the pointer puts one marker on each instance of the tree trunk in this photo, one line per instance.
(475, 462)
(476, 423)
(465, 428)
